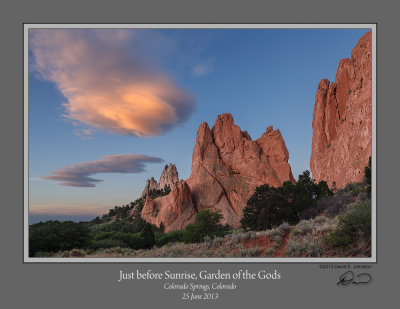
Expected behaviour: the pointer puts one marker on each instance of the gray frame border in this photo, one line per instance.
(27, 259)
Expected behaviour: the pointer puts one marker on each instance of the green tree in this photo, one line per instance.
(148, 236)
(367, 177)
(52, 236)
(207, 223)
(322, 189)
(270, 206)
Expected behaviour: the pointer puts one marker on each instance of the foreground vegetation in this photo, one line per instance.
(295, 220)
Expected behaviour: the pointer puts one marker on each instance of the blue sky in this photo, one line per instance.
(117, 106)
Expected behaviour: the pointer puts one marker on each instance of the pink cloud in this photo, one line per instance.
(78, 175)
(108, 83)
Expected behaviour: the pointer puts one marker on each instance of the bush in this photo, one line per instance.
(303, 247)
(367, 177)
(192, 233)
(171, 237)
(119, 239)
(65, 253)
(309, 213)
(334, 205)
(284, 228)
(77, 253)
(352, 227)
(43, 254)
(269, 252)
(107, 243)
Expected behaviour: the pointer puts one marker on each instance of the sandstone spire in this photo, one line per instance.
(168, 177)
(341, 143)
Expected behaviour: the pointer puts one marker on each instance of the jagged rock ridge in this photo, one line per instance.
(341, 143)
(168, 177)
(227, 166)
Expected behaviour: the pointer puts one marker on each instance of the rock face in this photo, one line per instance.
(169, 176)
(174, 210)
(227, 166)
(341, 143)
(151, 184)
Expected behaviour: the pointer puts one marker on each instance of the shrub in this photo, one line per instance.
(297, 247)
(283, 228)
(171, 237)
(120, 239)
(192, 233)
(276, 239)
(309, 213)
(304, 227)
(43, 254)
(234, 240)
(77, 253)
(272, 233)
(217, 241)
(334, 205)
(320, 220)
(269, 252)
(352, 227)
(107, 243)
(254, 251)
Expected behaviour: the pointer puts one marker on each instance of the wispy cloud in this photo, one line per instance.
(109, 81)
(204, 68)
(79, 175)
(68, 208)
(84, 133)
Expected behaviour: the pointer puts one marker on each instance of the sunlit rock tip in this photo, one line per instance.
(168, 177)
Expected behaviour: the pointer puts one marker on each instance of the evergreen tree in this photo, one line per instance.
(367, 177)
(148, 236)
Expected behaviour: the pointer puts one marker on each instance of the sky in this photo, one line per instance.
(108, 108)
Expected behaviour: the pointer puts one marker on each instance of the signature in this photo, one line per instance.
(349, 278)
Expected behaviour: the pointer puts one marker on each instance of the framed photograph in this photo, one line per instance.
(200, 143)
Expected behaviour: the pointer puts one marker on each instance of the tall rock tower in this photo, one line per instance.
(341, 143)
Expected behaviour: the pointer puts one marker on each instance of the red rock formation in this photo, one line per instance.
(151, 184)
(227, 166)
(341, 143)
(174, 210)
(168, 177)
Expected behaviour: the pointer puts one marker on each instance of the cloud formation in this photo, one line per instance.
(204, 68)
(79, 175)
(108, 80)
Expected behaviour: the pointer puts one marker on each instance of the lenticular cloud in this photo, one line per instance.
(108, 83)
(79, 175)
